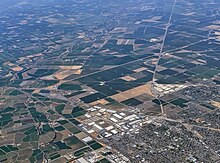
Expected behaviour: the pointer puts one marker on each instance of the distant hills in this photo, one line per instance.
(8, 3)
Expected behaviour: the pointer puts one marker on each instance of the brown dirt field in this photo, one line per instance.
(44, 139)
(137, 91)
(25, 75)
(65, 133)
(140, 69)
(36, 91)
(94, 103)
(24, 154)
(67, 111)
(216, 104)
(17, 68)
(77, 72)
(81, 135)
(128, 78)
(35, 55)
(70, 67)
(61, 75)
(102, 101)
(52, 87)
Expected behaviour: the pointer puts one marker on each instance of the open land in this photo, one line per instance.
(110, 81)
